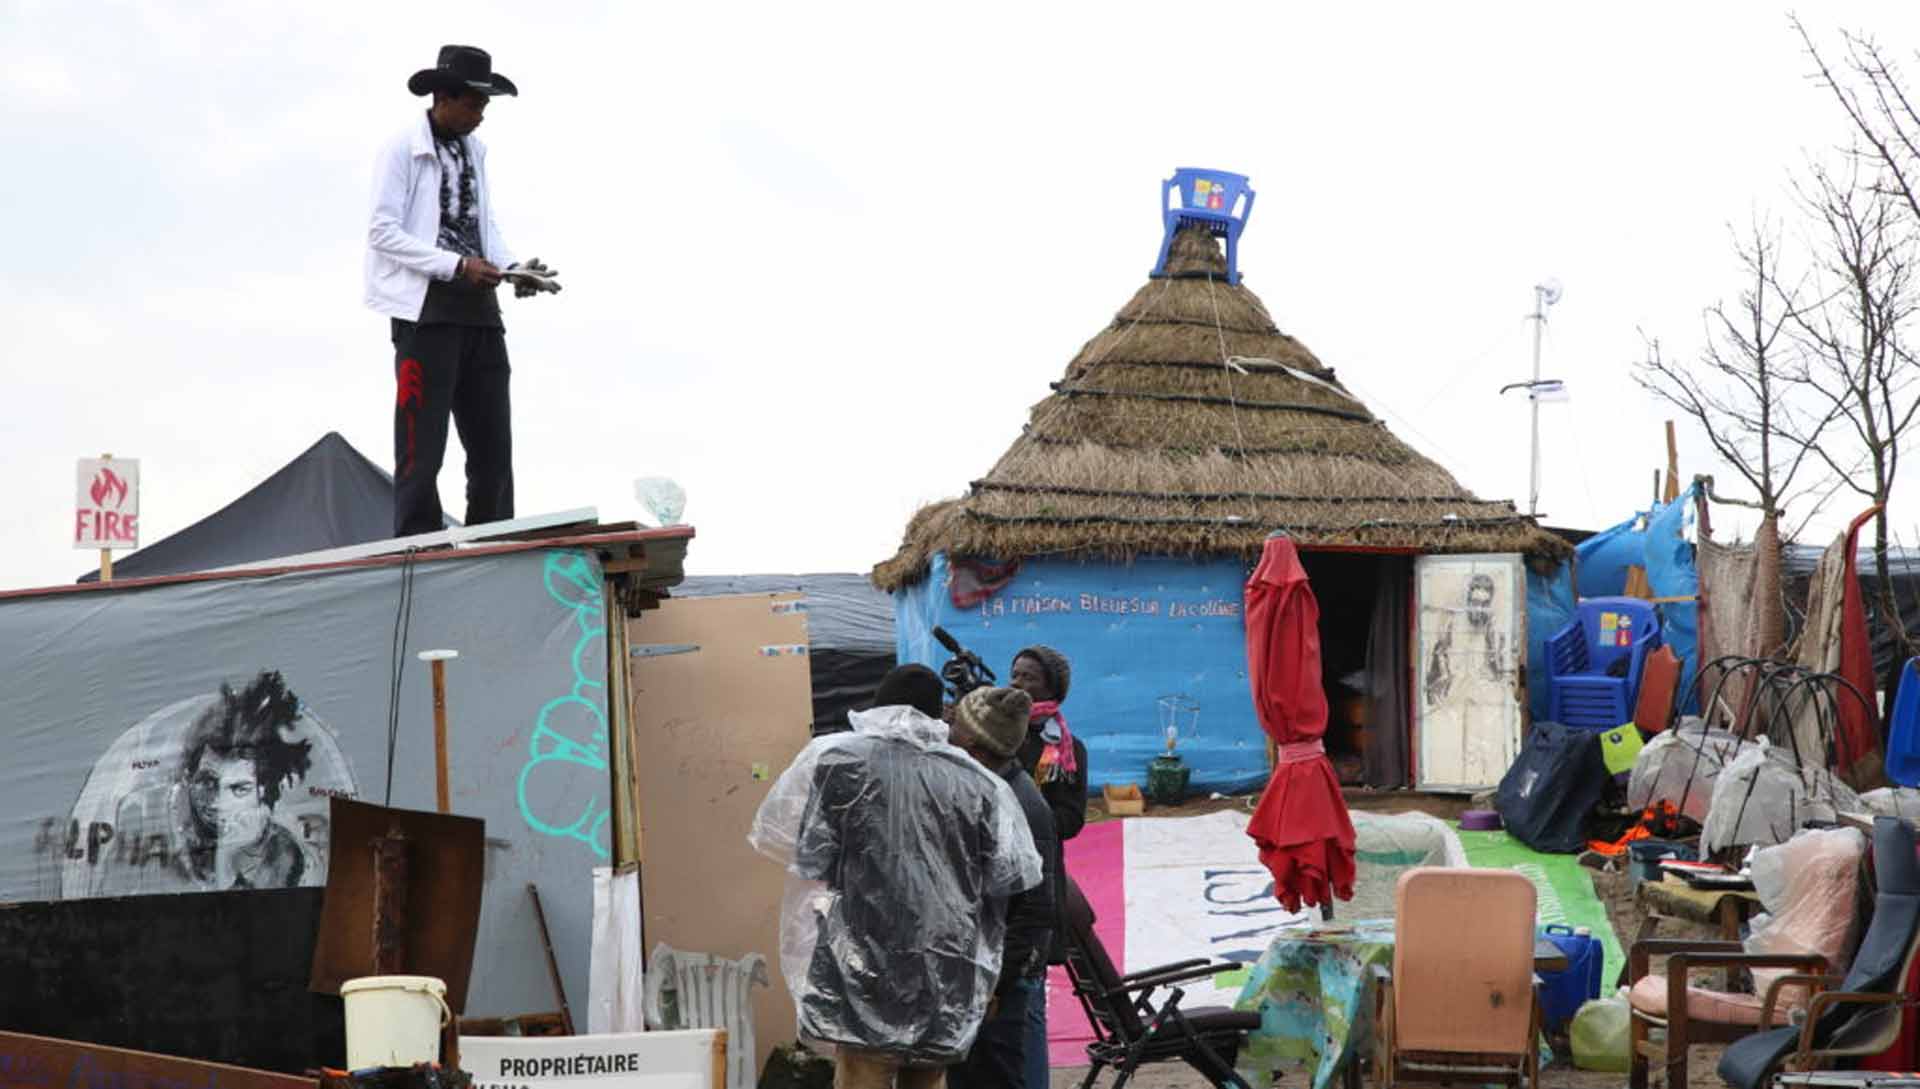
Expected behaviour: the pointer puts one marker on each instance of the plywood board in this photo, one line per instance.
(712, 728)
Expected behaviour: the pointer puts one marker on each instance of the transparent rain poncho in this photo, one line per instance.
(900, 853)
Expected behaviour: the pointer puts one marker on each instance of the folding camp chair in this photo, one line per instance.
(1460, 1005)
(1132, 1027)
(1862, 1017)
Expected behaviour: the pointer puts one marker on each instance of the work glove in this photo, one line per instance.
(530, 277)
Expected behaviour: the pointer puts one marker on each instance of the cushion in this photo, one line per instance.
(1649, 996)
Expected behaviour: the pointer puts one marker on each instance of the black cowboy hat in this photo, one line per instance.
(462, 68)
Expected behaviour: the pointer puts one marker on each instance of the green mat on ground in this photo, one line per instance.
(1564, 887)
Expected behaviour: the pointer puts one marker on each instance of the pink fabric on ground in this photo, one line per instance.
(1097, 861)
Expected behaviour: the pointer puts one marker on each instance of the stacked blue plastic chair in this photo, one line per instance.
(1210, 199)
(1903, 728)
(1594, 662)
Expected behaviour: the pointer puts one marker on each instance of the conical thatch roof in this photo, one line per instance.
(1154, 444)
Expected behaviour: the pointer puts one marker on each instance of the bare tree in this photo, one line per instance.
(1852, 329)
(1742, 389)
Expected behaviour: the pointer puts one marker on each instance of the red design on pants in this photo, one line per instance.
(408, 397)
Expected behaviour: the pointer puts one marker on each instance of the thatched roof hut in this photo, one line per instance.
(1192, 425)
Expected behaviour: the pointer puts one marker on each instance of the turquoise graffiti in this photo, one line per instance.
(570, 732)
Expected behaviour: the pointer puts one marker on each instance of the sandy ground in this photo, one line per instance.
(1615, 889)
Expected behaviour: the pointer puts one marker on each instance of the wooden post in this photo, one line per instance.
(106, 554)
(438, 659)
(390, 903)
(1673, 465)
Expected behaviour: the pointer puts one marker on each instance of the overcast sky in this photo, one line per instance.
(820, 259)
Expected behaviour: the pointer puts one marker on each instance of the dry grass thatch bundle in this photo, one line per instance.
(1192, 425)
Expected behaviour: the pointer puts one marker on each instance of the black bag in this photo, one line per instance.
(1548, 795)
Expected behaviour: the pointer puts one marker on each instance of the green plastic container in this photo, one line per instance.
(1167, 780)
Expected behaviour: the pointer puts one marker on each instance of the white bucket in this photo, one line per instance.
(394, 1020)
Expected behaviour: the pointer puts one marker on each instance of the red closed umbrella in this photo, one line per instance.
(1301, 823)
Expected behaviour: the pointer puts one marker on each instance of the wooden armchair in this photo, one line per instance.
(1693, 1015)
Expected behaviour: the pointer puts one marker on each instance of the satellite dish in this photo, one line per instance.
(1550, 290)
(665, 501)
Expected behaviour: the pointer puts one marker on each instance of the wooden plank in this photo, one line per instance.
(716, 726)
(31, 1062)
(1673, 465)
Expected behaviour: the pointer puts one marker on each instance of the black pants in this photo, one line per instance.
(462, 371)
(999, 1056)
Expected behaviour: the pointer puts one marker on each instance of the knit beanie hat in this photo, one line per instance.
(914, 685)
(994, 719)
(1055, 665)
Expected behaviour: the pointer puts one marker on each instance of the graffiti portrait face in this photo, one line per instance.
(229, 806)
(221, 790)
(1480, 600)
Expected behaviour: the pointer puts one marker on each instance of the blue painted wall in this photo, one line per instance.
(1134, 633)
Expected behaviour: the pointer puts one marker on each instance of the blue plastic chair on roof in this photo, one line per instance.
(1209, 199)
(1903, 728)
(1594, 662)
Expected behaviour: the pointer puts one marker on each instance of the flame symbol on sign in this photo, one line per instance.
(106, 484)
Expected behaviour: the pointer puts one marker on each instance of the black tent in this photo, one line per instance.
(849, 629)
(330, 496)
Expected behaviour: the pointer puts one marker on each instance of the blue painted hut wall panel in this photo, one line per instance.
(1134, 633)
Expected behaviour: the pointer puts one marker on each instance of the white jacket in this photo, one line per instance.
(403, 231)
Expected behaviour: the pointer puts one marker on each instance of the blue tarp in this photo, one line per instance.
(1549, 608)
(1655, 540)
(1134, 633)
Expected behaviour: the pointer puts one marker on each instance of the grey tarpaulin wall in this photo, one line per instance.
(99, 689)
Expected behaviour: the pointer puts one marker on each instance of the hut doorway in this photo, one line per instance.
(1365, 659)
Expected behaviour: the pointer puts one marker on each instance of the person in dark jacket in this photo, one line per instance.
(989, 724)
(1057, 761)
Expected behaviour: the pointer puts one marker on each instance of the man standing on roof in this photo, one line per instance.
(434, 260)
(989, 724)
(1057, 761)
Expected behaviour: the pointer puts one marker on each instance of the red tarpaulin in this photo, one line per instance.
(1301, 823)
(1857, 734)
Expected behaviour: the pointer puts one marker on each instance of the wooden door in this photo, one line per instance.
(1470, 640)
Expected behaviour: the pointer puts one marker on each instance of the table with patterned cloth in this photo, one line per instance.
(1314, 992)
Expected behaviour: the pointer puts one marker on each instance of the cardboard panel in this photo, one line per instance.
(712, 727)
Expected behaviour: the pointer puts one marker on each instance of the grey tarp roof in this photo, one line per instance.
(328, 497)
(844, 612)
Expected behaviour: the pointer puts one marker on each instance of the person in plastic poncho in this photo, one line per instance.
(901, 851)
(990, 724)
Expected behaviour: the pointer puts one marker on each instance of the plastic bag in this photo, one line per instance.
(1599, 1034)
(1809, 886)
(897, 846)
(1902, 802)
(1762, 798)
(1680, 766)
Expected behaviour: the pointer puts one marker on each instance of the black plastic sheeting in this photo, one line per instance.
(331, 496)
(1903, 564)
(849, 629)
(217, 976)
